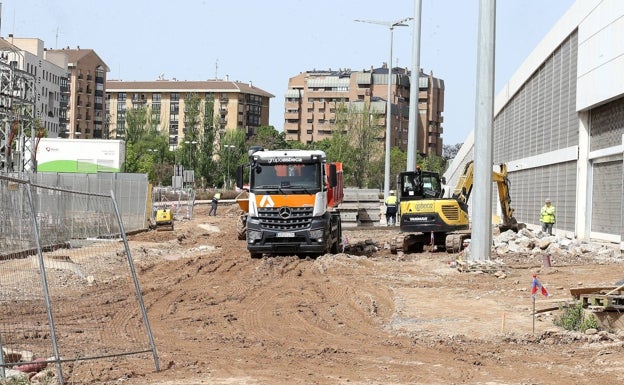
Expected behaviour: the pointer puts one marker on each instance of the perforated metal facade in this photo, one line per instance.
(539, 119)
(542, 116)
(606, 131)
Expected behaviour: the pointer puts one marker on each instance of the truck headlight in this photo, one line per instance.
(316, 235)
(253, 235)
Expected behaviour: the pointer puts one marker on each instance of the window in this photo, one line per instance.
(175, 97)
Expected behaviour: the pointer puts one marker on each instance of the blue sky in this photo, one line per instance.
(267, 42)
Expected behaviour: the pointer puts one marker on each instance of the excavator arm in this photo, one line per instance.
(464, 184)
(464, 188)
(502, 182)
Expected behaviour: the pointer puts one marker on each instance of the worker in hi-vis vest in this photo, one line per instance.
(547, 217)
(391, 209)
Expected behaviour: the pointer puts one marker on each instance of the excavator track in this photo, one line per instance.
(409, 243)
(455, 241)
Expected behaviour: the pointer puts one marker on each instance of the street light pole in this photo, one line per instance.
(190, 148)
(391, 25)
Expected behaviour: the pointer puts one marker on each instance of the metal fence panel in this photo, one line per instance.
(68, 289)
(131, 191)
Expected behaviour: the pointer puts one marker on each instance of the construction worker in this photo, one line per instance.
(213, 204)
(547, 216)
(391, 209)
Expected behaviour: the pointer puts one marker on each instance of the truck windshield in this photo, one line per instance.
(303, 177)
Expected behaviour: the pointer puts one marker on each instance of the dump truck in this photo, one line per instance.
(289, 206)
(427, 218)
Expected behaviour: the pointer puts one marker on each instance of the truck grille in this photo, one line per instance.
(272, 218)
(451, 212)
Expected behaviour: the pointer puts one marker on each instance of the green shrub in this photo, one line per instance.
(573, 318)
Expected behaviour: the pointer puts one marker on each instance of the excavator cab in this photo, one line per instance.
(416, 185)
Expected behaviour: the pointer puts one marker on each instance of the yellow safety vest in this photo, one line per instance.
(547, 215)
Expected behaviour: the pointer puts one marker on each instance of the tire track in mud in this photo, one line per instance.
(298, 301)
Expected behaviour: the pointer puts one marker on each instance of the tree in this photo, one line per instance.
(136, 124)
(356, 141)
(449, 151)
(434, 163)
(206, 166)
(147, 149)
(232, 154)
(191, 144)
(269, 138)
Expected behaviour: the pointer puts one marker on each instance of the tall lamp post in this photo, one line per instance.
(190, 148)
(227, 148)
(391, 25)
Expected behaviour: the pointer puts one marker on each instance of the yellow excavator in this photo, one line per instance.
(426, 218)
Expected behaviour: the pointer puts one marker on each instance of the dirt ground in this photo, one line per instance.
(220, 317)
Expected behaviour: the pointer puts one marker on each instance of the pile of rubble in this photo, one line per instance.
(539, 243)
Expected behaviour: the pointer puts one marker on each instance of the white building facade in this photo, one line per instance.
(559, 125)
(50, 73)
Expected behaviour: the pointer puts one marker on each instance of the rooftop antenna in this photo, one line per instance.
(216, 69)
(56, 42)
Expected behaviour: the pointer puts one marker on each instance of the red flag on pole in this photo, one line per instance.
(537, 286)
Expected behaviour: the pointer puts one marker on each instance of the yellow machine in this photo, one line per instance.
(428, 219)
(164, 220)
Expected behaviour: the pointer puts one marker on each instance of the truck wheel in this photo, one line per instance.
(241, 226)
(336, 246)
(256, 255)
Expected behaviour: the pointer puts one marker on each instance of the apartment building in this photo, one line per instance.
(49, 73)
(83, 92)
(236, 105)
(314, 96)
